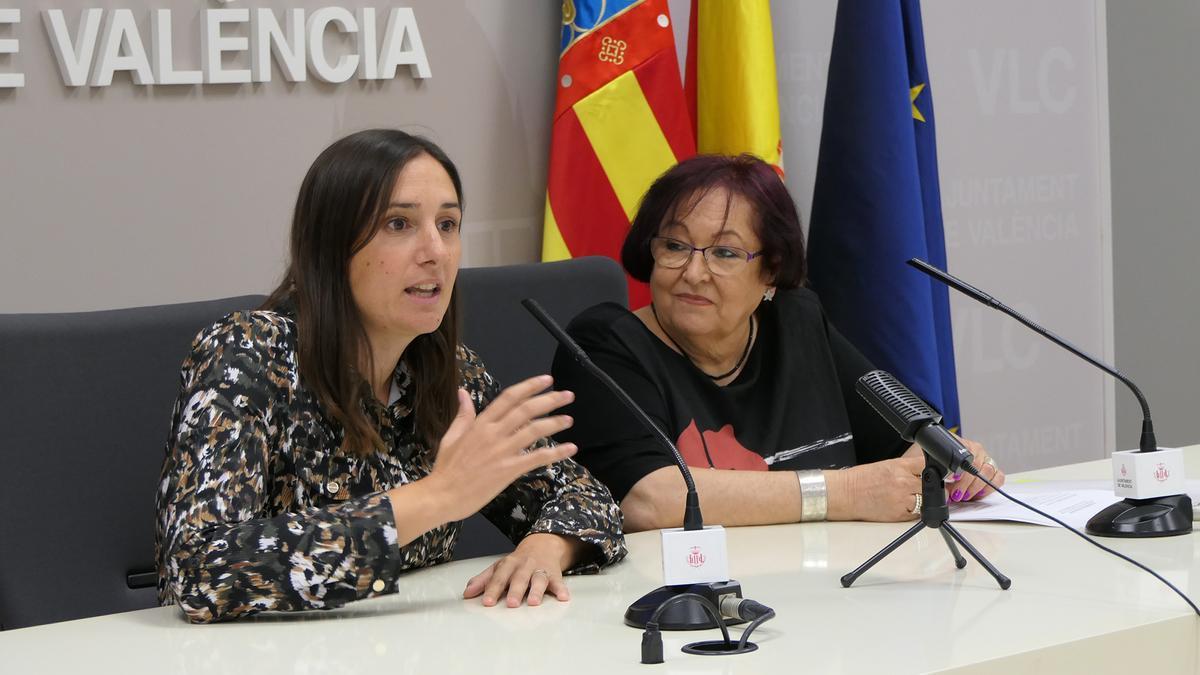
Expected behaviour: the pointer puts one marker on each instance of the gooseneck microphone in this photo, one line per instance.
(692, 518)
(695, 559)
(913, 419)
(1147, 443)
(1151, 479)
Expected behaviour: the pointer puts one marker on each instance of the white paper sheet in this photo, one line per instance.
(1071, 501)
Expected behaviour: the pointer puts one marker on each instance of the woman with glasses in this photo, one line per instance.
(735, 360)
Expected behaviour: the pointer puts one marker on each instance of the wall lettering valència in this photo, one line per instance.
(104, 42)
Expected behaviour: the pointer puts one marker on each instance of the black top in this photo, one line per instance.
(793, 406)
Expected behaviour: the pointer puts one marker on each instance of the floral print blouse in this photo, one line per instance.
(259, 509)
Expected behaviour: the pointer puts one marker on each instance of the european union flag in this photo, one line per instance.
(876, 202)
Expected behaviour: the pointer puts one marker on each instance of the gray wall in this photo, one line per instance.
(1154, 94)
(1018, 89)
(130, 195)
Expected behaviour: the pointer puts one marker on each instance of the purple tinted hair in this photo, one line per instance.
(675, 193)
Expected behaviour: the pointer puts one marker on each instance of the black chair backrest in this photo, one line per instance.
(511, 342)
(514, 346)
(85, 406)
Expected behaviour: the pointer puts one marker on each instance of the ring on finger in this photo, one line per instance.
(542, 572)
(918, 504)
(991, 462)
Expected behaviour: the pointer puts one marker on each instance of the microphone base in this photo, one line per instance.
(1135, 518)
(683, 615)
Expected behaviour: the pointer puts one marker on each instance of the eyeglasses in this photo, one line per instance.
(721, 260)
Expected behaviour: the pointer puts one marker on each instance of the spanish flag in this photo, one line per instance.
(731, 87)
(620, 120)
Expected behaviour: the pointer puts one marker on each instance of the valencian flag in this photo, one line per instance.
(620, 121)
(730, 83)
(876, 202)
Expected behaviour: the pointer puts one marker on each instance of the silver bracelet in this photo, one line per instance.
(814, 500)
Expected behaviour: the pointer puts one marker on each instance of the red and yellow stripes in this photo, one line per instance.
(621, 117)
(620, 121)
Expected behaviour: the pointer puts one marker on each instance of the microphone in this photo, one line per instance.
(913, 419)
(694, 557)
(1151, 478)
(692, 519)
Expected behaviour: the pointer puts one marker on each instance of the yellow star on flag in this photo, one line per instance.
(912, 96)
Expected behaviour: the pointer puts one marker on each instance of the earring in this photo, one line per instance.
(768, 295)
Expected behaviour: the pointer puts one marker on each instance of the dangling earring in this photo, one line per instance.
(768, 295)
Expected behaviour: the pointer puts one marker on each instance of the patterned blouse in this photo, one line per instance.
(259, 509)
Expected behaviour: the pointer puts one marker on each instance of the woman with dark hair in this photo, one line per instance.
(335, 438)
(735, 359)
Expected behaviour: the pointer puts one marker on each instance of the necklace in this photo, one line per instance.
(736, 367)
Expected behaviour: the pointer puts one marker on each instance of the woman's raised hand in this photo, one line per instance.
(481, 455)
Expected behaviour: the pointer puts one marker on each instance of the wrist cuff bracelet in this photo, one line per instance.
(814, 500)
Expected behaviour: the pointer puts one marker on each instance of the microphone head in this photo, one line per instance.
(536, 310)
(895, 403)
(954, 282)
(555, 330)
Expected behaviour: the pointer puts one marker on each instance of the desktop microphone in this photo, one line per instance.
(695, 559)
(1150, 478)
(913, 419)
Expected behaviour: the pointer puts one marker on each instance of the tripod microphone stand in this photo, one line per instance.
(935, 514)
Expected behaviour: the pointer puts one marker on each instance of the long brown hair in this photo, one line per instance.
(340, 204)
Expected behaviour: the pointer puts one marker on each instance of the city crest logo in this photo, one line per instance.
(1161, 473)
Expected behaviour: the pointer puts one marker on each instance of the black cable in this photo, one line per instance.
(757, 613)
(762, 618)
(652, 646)
(705, 603)
(975, 472)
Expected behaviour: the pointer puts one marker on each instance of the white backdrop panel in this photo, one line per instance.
(1019, 92)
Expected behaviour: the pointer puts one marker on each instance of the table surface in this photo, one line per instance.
(1071, 607)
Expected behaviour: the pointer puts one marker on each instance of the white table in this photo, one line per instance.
(1071, 608)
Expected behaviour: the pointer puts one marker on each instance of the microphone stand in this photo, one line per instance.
(677, 615)
(934, 514)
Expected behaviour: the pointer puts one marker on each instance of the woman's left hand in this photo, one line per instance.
(968, 487)
(527, 573)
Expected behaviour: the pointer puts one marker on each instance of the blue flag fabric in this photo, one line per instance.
(876, 202)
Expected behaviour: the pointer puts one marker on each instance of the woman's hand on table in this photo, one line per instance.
(964, 487)
(528, 573)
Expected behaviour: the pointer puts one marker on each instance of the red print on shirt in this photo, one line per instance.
(723, 447)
